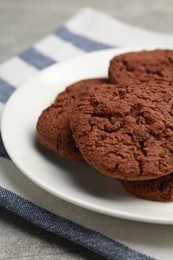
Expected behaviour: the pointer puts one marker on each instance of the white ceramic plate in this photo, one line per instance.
(75, 182)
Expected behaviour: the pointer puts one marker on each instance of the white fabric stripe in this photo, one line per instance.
(57, 49)
(16, 72)
(100, 27)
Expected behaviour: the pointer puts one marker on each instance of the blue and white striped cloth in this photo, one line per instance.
(110, 237)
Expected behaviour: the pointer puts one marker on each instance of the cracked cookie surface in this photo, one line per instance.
(160, 189)
(141, 67)
(126, 131)
(53, 126)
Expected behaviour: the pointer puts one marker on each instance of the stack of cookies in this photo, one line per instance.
(121, 125)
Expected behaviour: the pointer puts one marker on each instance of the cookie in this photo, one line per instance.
(141, 67)
(160, 189)
(53, 126)
(126, 131)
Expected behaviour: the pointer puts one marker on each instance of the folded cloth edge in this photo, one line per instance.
(90, 239)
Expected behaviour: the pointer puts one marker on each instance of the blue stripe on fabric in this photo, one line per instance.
(6, 90)
(3, 152)
(93, 241)
(36, 59)
(79, 41)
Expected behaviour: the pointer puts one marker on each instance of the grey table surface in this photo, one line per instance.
(22, 23)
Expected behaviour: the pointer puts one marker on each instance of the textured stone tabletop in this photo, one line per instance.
(22, 23)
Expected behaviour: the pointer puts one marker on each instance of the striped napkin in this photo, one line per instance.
(109, 237)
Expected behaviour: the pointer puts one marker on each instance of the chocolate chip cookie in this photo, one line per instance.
(126, 131)
(145, 66)
(160, 189)
(53, 126)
